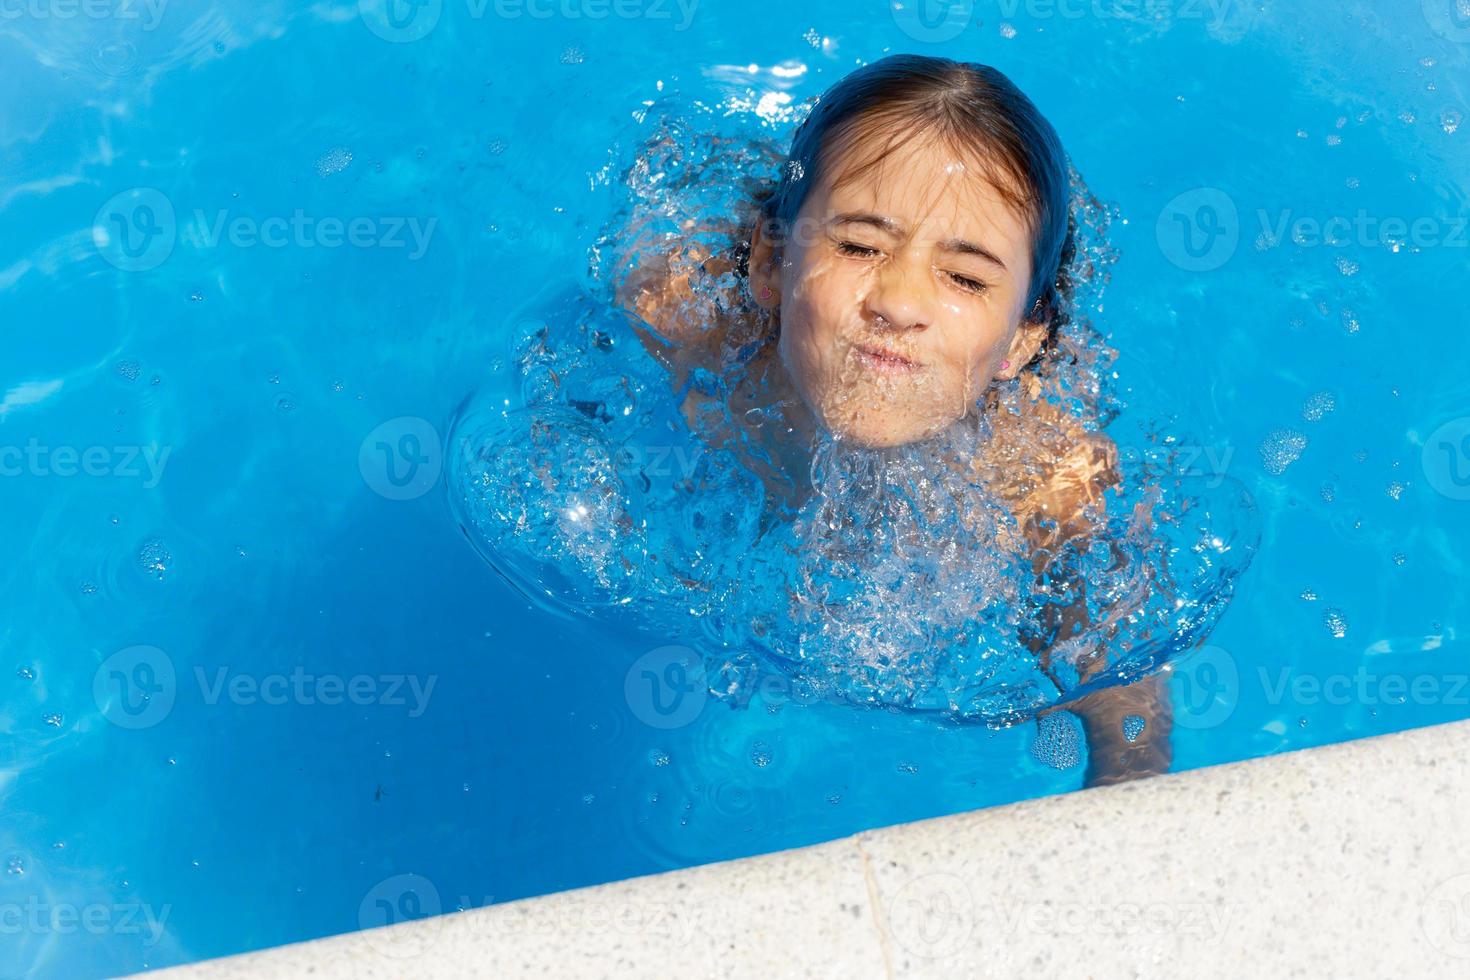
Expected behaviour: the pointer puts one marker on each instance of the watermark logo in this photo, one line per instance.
(1199, 230)
(149, 12)
(1446, 459)
(932, 916)
(302, 230)
(401, 21)
(402, 898)
(40, 918)
(666, 687)
(402, 458)
(123, 462)
(1444, 917)
(933, 21)
(135, 230)
(1450, 19)
(1204, 688)
(135, 688)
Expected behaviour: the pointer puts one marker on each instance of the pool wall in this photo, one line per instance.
(1346, 860)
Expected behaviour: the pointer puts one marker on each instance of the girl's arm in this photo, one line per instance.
(1079, 483)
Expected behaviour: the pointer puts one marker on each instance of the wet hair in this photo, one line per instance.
(978, 112)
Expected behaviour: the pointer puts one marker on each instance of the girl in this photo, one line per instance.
(910, 263)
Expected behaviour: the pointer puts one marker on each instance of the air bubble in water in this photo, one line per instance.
(658, 757)
(52, 718)
(128, 370)
(1133, 726)
(334, 161)
(1318, 405)
(1450, 120)
(1281, 448)
(1335, 622)
(1058, 742)
(25, 673)
(154, 558)
(760, 755)
(14, 866)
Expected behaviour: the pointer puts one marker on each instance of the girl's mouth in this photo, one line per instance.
(883, 361)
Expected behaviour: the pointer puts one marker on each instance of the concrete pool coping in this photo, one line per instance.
(1348, 859)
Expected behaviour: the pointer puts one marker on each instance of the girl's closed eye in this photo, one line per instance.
(967, 283)
(857, 250)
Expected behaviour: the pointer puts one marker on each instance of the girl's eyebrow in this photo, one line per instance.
(886, 224)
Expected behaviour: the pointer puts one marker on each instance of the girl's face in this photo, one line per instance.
(900, 292)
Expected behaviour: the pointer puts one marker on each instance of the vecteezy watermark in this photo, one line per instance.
(138, 229)
(302, 688)
(1156, 461)
(395, 901)
(666, 687)
(1444, 917)
(1200, 230)
(938, 21)
(1363, 687)
(149, 12)
(137, 688)
(403, 21)
(669, 687)
(402, 458)
(37, 917)
(302, 230)
(1204, 688)
(122, 462)
(1450, 19)
(135, 230)
(935, 916)
(1446, 459)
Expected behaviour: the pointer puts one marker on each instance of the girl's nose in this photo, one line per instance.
(902, 295)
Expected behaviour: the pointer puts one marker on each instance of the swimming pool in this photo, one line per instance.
(256, 686)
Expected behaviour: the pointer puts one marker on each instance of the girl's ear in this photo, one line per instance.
(1029, 337)
(764, 267)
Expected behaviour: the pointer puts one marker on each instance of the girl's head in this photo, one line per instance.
(910, 251)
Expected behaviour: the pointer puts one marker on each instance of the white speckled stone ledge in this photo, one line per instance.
(1347, 860)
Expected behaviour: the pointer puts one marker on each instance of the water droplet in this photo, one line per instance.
(1318, 405)
(1280, 449)
(334, 161)
(154, 558)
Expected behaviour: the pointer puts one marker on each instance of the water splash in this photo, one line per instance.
(618, 484)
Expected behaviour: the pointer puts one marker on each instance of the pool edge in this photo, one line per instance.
(1340, 859)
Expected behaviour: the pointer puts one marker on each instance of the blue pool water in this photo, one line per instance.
(256, 687)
